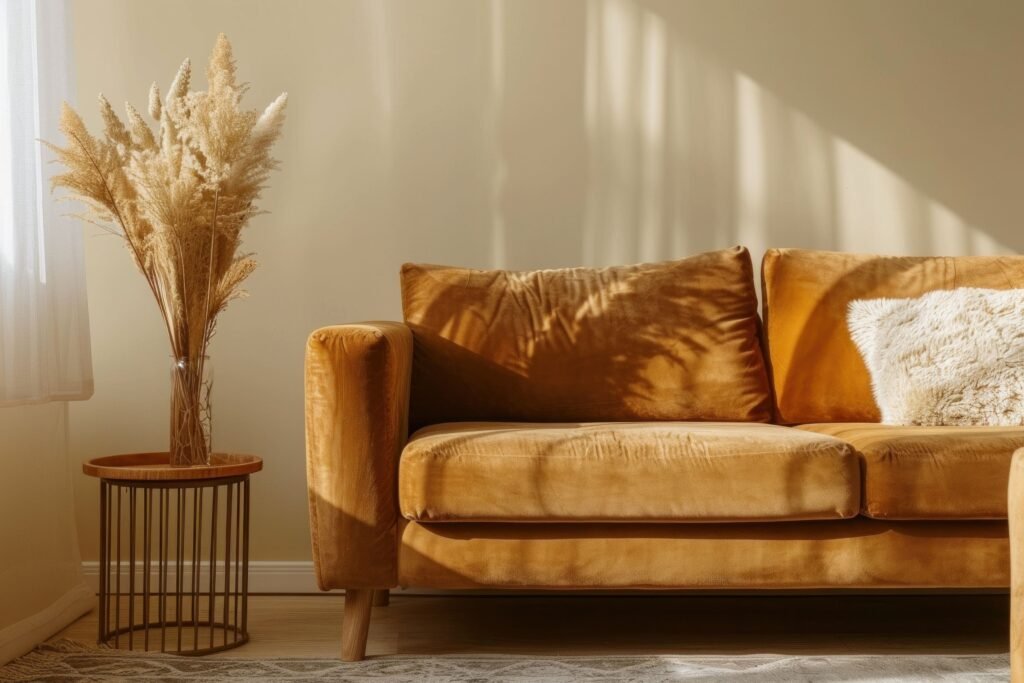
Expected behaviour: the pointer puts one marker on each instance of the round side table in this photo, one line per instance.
(174, 552)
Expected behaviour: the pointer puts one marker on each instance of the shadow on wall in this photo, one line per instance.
(693, 155)
(605, 133)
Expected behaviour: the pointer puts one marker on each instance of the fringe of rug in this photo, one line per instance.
(38, 663)
(71, 646)
(59, 660)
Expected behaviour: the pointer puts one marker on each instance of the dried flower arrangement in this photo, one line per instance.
(180, 198)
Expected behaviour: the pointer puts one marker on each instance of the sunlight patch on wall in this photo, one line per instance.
(612, 116)
(499, 238)
(878, 211)
(653, 65)
(687, 154)
(751, 167)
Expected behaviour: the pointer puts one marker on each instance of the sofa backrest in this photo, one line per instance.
(817, 373)
(668, 341)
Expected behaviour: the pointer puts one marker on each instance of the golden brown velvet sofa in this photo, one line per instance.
(640, 428)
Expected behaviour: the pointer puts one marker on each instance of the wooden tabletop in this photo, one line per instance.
(156, 467)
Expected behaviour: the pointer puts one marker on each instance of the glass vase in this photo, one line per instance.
(191, 381)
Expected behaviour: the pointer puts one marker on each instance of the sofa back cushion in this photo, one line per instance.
(664, 341)
(817, 373)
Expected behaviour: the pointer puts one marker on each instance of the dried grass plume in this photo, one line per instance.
(179, 194)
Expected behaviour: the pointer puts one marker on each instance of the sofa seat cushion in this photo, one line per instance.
(625, 471)
(912, 472)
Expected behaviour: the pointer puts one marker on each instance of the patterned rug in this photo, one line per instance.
(69, 661)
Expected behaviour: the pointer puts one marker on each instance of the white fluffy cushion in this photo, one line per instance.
(949, 357)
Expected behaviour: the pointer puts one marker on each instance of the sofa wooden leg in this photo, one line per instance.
(355, 623)
(381, 597)
(1016, 521)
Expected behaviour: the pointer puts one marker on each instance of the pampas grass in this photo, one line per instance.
(179, 195)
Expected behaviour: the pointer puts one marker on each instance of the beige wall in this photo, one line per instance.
(535, 134)
(41, 585)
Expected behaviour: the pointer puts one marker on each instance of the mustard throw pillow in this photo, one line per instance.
(663, 341)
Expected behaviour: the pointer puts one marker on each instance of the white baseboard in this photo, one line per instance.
(264, 577)
(19, 638)
(298, 577)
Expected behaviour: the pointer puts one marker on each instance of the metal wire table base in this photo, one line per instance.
(174, 564)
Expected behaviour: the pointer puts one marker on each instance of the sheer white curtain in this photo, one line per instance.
(44, 337)
(44, 325)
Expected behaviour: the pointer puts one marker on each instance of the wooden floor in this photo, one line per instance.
(302, 626)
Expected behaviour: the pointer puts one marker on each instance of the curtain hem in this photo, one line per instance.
(22, 636)
(83, 395)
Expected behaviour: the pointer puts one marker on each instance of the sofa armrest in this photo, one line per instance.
(357, 403)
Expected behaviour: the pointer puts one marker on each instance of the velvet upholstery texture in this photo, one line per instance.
(648, 502)
(817, 373)
(912, 472)
(357, 398)
(625, 471)
(1016, 513)
(666, 341)
(850, 553)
